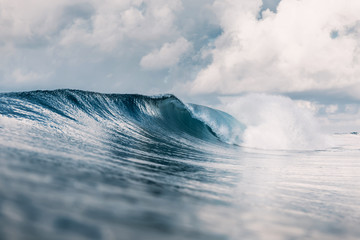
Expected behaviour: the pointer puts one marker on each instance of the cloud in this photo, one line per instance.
(115, 23)
(102, 24)
(23, 77)
(82, 41)
(167, 56)
(21, 21)
(339, 118)
(293, 50)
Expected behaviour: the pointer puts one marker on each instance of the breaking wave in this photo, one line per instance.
(161, 117)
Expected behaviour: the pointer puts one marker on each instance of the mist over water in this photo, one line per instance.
(82, 165)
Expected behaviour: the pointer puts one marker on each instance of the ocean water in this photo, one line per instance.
(83, 165)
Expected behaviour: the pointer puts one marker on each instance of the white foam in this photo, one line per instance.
(276, 122)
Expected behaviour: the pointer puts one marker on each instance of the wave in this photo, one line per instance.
(85, 165)
(129, 114)
(109, 153)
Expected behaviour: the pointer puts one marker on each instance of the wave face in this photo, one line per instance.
(154, 115)
(84, 165)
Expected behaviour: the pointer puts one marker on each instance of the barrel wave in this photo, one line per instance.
(86, 165)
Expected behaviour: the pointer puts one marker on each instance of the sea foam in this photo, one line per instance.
(276, 122)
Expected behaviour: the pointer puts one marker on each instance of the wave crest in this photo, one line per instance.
(162, 114)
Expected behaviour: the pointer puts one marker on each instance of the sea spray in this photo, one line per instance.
(275, 122)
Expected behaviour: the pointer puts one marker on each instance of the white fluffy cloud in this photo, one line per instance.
(114, 22)
(83, 41)
(27, 18)
(23, 77)
(101, 24)
(307, 45)
(167, 56)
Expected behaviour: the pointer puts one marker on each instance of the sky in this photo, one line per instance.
(204, 51)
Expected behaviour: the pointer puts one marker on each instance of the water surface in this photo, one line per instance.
(80, 165)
